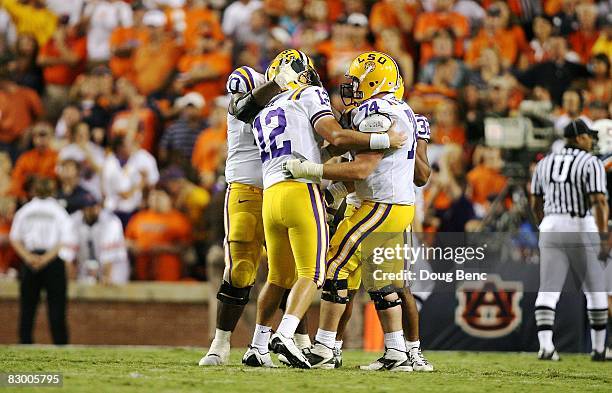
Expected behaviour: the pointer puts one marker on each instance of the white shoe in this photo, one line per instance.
(418, 361)
(320, 356)
(282, 345)
(548, 355)
(254, 358)
(215, 357)
(392, 360)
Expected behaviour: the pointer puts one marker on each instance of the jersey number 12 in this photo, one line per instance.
(273, 150)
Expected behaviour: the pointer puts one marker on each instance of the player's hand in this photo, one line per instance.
(604, 250)
(396, 139)
(298, 169)
(288, 72)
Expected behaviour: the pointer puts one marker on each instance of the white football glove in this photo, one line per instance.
(298, 169)
(423, 131)
(288, 71)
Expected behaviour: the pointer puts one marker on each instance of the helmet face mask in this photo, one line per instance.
(288, 56)
(350, 93)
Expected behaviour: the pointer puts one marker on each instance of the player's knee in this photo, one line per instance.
(232, 295)
(244, 270)
(547, 299)
(335, 291)
(385, 299)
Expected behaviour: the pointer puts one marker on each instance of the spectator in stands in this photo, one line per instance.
(442, 52)
(8, 258)
(177, 142)
(542, 27)
(99, 241)
(62, 59)
(196, 14)
(40, 232)
(20, 107)
(572, 109)
(123, 43)
(128, 172)
(485, 179)
(152, 71)
(70, 195)
(24, 69)
(39, 161)
(556, 74)
(88, 156)
(209, 150)
(391, 43)
(493, 34)
(237, 16)
(565, 19)
(600, 85)
(6, 167)
(584, 38)
(446, 128)
(443, 17)
(498, 98)
(396, 14)
(205, 67)
(604, 42)
(71, 116)
(103, 16)
(157, 237)
(137, 121)
(70, 9)
(488, 68)
(291, 18)
(31, 18)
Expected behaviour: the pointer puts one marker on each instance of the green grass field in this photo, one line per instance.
(154, 370)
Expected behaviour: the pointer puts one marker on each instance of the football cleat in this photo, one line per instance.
(598, 356)
(418, 361)
(214, 359)
(320, 356)
(282, 345)
(549, 355)
(609, 353)
(392, 360)
(337, 357)
(254, 358)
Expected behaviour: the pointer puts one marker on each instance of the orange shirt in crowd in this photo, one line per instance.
(194, 18)
(444, 135)
(153, 65)
(147, 126)
(504, 41)
(484, 182)
(582, 43)
(32, 163)
(432, 21)
(148, 228)
(383, 15)
(62, 74)
(19, 108)
(8, 258)
(218, 61)
(207, 150)
(122, 66)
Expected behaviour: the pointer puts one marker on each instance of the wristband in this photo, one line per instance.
(379, 141)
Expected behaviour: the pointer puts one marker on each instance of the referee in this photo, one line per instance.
(569, 199)
(39, 231)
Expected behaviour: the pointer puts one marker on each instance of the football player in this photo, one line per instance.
(244, 234)
(387, 206)
(294, 124)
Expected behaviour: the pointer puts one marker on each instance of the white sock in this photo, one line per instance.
(545, 338)
(222, 339)
(338, 344)
(395, 340)
(326, 337)
(598, 340)
(261, 337)
(413, 344)
(302, 341)
(288, 325)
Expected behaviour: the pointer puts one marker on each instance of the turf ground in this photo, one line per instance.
(155, 370)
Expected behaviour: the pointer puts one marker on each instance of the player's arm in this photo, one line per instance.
(422, 169)
(537, 207)
(329, 128)
(245, 106)
(364, 164)
(599, 206)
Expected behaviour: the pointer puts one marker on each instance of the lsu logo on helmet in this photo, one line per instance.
(370, 73)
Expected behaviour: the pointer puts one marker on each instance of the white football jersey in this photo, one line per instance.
(284, 130)
(393, 180)
(243, 164)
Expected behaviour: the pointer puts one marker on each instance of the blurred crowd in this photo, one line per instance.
(122, 104)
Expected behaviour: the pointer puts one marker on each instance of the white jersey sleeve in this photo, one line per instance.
(393, 180)
(243, 163)
(315, 102)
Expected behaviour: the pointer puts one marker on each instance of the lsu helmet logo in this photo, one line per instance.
(489, 309)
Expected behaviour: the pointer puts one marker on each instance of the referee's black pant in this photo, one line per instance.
(51, 278)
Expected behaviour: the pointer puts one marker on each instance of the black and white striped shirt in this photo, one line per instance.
(565, 180)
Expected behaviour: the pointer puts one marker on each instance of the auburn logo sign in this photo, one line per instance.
(489, 309)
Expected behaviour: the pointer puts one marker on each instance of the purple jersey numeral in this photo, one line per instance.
(274, 150)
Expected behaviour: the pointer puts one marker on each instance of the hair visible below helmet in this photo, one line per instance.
(370, 73)
(286, 56)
